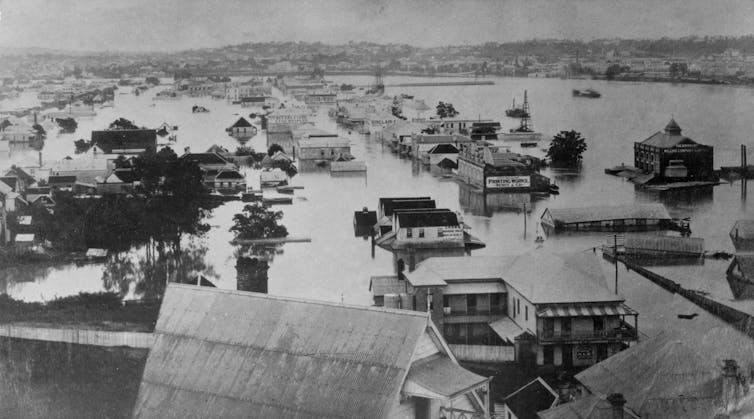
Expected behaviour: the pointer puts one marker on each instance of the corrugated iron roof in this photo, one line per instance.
(660, 377)
(592, 406)
(507, 329)
(441, 375)
(441, 270)
(221, 353)
(543, 277)
(388, 284)
(427, 218)
(610, 212)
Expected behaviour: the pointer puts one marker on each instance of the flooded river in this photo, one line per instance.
(336, 266)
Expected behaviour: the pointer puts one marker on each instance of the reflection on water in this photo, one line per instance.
(337, 264)
(479, 203)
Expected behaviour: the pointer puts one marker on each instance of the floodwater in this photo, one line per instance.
(336, 266)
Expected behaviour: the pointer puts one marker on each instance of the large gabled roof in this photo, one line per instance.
(661, 377)
(426, 218)
(549, 278)
(669, 137)
(221, 353)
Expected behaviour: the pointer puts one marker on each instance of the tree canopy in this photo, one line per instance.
(122, 123)
(257, 222)
(446, 110)
(566, 148)
(274, 148)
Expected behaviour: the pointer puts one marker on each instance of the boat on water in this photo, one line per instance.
(590, 93)
(524, 133)
(515, 112)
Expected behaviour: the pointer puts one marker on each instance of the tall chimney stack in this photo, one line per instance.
(617, 401)
(732, 388)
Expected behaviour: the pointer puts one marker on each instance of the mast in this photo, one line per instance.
(525, 121)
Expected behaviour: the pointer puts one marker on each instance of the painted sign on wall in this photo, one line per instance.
(508, 182)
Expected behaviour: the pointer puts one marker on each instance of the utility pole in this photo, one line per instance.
(524, 220)
(615, 256)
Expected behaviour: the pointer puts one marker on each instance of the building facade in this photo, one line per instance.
(671, 156)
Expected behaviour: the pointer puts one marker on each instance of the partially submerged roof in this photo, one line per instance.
(229, 174)
(389, 205)
(427, 218)
(609, 212)
(241, 123)
(205, 158)
(221, 353)
(443, 149)
(531, 398)
(124, 139)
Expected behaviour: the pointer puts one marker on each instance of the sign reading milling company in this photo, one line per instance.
(501, 182)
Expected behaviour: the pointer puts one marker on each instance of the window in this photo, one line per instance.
(599, 323)
(547, 353)
(565, 326)
(409, 233)
(497, 303)
(421, 233)
(471, 304)
(526, 313)
(518, 306)
(548, 327)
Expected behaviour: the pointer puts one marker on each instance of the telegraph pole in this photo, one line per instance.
(524, 220)
(615, 256)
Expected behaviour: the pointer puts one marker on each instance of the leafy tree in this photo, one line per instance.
(430, 130)
(40, 131)
(678, 69)
(446, 110)
(346, 87)
(566, 148)
(67, 125)
(274, 148)
(396, 108)
(122, 123)
(612, 71)
(257, 222)
(4, 124)
(82, 145)
(152, 80)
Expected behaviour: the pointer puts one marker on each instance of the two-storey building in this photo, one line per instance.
(491, 169)
(544, 308)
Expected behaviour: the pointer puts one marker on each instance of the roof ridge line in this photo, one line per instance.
(302, 300)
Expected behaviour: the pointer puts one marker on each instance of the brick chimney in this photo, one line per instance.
(732, 386)
(617, 401)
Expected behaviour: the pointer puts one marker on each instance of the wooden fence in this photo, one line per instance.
(79, 336)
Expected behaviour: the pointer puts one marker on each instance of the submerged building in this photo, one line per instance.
(492, 168)
(670, 156)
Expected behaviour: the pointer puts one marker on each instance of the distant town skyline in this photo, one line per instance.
(173, 25)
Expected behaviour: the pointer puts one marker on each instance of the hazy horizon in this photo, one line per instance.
(178, 25)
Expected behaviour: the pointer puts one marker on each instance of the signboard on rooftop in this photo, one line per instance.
(501, 182)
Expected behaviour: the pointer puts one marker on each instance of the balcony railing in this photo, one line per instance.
(625, 332)
(471, 311)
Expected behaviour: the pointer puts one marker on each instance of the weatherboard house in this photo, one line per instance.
(289, 358)
(670, 156)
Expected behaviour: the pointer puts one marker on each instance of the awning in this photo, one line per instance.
(507, 329)
(588, 311)
(440, 376)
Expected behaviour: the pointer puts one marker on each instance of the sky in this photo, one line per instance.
(170, 25)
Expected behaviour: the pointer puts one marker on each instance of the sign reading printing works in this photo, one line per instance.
(505, 182)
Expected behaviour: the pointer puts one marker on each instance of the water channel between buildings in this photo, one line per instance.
(336, 266)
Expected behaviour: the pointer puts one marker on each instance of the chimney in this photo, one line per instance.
(617, 401)
(732, 386)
